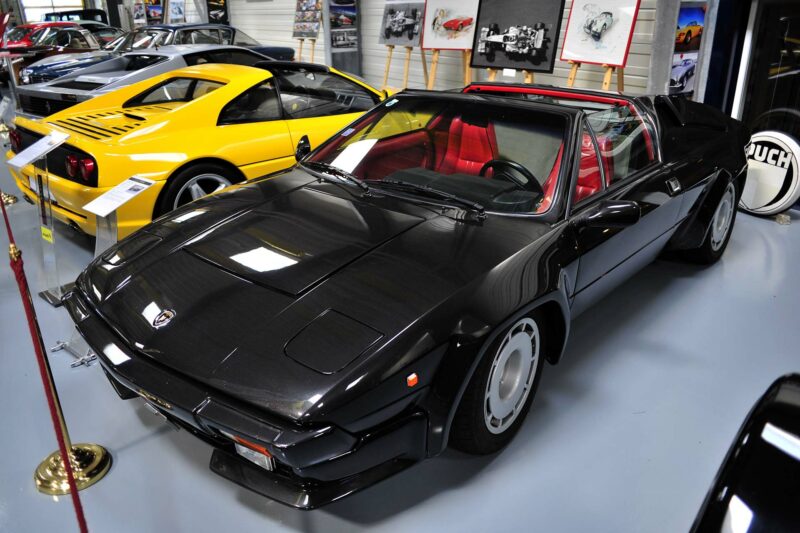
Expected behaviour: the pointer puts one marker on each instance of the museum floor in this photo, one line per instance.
(625, 434)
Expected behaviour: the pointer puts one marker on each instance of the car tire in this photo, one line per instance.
(719, 230)
(501, 390)
(204, 175)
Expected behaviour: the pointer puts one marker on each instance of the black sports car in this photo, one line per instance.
(756, 488)
(402, 287)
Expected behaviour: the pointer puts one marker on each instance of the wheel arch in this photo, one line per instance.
(187, 164)
(555, 307)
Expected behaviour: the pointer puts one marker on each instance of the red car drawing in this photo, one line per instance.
(458, 23)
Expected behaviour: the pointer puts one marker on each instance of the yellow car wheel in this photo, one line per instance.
(194, 182)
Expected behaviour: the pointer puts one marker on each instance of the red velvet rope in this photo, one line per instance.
(33, 326)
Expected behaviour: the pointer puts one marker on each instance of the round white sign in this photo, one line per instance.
(773, 176)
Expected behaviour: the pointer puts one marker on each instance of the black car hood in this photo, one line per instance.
(281, 292)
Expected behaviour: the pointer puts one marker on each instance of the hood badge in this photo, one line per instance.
(163, 318)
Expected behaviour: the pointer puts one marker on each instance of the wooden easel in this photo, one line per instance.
(527, 76)
(467, 69)
(389, 52)
(620, 78)
(406, 66)
(313, 46)
(300, 50)
(573, 72)
(434, 66)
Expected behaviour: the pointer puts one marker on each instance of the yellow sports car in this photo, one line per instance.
(193, 131)
(684, 35)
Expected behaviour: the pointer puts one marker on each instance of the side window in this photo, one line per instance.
(590, 175)
(624, 141)
(226, 35)
(314, 94)
(199, 36)
(235, 57)
(174, 90)
(77, 40)
(257, 104)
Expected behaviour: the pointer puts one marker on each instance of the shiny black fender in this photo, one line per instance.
(464, 354)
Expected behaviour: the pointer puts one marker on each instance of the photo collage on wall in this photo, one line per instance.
(139, 14)
(517, 34)
(688, 36)
(154, 11)
(600, 32)
(307, 19)
(343, 18)
(449, 24)
(402, 23)
(176, 11)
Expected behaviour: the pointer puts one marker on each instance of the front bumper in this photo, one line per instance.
(315, 466)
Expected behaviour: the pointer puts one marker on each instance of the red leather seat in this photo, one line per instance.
(590, 179)
(469, 147)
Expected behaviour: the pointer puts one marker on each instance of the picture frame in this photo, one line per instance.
(517, 34)
(449, 24)
(600, 33)
(402, 23)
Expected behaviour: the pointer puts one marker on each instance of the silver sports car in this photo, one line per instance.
(43, 99)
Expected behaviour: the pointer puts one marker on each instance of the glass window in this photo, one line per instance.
(624, 141)
(17, 34)
(174, 90)
(257, 104)
(508, 159)
(242, 39)
(226, 35)
(590, 175)
(231, 57)
(198, 36)
(314, 94)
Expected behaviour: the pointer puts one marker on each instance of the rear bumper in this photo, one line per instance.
(315, 466)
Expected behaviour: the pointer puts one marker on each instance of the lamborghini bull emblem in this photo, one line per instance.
(163, 318)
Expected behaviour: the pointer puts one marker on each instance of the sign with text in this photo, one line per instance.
(111, 200)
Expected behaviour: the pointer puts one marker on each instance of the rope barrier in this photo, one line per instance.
(64, 444)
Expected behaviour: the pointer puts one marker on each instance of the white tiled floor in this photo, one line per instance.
(625, 435)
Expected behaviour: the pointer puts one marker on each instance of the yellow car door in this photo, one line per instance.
(253, 134)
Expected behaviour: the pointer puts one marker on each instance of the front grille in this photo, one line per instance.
(56, 160)
(42, 107)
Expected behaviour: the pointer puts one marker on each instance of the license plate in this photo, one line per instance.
(267, 463)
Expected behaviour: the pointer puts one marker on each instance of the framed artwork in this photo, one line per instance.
(402, 23)
(517, 34)
(450, 24)
(686, 55)
(176, 11)
(600, 32)
(307, 17)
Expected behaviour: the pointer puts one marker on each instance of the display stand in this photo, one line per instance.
(620, 78)
(492, 74)
(573, 72)
(36, 157)
(527, 77)
(424, 66)
(104, 207)
(300, 49)
(389, 52)
(313, 43)
(406, 65)
(466, 56)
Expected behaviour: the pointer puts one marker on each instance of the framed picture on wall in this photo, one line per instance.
(450, 24)
(402, 23)
(600, 32)
(686, 55)
(517, 34)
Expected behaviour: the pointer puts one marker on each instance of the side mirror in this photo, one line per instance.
(303, 148)
(612, 214)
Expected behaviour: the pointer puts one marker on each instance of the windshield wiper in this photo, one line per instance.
(326, 168)
(430, 191)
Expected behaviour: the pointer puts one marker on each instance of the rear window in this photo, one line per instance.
(138, 62)
(174, 90)
(17, 34)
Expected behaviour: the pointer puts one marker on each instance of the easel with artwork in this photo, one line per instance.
(306, 25)
(600, 38)
(402, 26)
(503, 24)
(406, 65)
(449, 25)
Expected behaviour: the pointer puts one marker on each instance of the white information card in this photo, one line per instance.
(38, 150)
(112, 199)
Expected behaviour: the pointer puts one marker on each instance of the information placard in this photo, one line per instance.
(111, 200)
(38, 150)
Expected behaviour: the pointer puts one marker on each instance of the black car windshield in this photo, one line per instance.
(504, 158)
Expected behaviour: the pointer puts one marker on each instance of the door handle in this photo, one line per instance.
(673, 186)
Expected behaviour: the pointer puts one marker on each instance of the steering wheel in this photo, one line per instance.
(532, 184)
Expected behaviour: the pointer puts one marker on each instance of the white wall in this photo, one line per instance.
(36, 9)
(270, 21)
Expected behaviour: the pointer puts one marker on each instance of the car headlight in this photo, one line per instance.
(24, 76)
